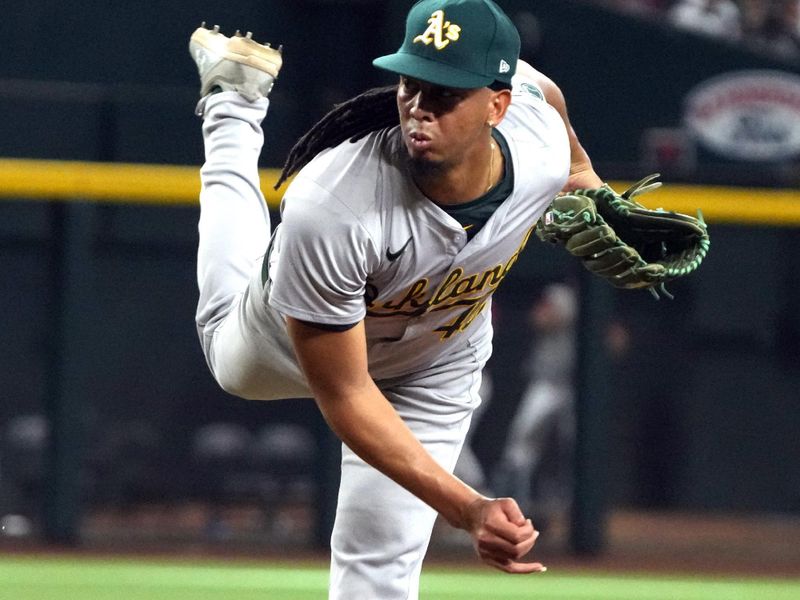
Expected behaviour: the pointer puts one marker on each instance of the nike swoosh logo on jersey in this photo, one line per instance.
(393, 256)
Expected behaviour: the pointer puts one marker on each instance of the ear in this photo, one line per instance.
(498, 105)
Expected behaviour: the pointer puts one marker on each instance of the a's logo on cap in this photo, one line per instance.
(504, 67)
(439, 31)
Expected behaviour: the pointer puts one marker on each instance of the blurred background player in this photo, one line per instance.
(717, 18)
(536, 463)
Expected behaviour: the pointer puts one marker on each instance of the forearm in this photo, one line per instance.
(581, 171)
(364, 420)
(367, 423)
(362, 417)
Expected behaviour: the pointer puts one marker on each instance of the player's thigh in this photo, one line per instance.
(254, 363)
(374, 512)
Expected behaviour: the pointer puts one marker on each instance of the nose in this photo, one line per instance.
(418, 108)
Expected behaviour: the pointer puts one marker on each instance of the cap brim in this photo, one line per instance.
(431, 71)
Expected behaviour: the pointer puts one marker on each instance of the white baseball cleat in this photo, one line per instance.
(235, 63)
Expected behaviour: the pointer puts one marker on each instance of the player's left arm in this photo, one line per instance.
(581, 172)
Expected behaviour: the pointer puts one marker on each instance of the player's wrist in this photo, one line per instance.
(467, 512)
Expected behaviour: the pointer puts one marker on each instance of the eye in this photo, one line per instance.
(449, 96)
(410, 86)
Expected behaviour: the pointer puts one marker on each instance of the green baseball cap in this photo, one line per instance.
(456, 43)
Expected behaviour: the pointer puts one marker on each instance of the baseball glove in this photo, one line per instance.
(622, 241)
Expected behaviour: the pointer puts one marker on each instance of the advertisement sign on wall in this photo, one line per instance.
(747, 115)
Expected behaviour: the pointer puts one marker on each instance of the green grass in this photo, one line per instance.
(29, 578)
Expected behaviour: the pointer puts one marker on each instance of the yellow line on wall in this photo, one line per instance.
(110, 182)
(180, 185)
(746, 206)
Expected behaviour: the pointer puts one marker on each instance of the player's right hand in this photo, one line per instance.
(501, 535)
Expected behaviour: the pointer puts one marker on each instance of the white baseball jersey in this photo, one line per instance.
(358, 240)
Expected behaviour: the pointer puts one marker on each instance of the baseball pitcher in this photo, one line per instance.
(408, 209)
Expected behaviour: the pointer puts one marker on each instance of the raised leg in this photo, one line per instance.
(236, 76)
(234, 221)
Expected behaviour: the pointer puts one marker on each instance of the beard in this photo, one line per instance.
(423, 168)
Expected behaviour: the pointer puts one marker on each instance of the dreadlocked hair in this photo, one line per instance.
(353, 119)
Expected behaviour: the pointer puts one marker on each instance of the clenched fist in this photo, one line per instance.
(501, 535)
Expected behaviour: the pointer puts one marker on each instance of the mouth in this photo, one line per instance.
(419, 141)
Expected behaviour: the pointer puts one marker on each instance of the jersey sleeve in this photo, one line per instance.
(320, 271)
(537, 136)
(525, 90)
(530, 118)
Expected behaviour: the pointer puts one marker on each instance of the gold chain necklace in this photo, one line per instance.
(491, 166)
